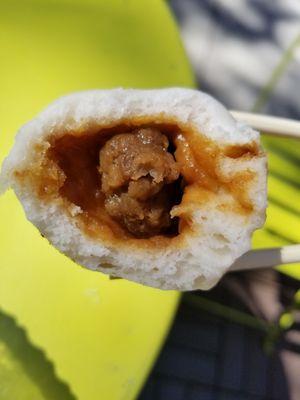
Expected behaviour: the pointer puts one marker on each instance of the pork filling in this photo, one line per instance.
(138, 176)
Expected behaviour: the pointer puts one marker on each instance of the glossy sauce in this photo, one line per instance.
(70, 166)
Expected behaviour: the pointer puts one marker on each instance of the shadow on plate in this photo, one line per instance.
(25, 372)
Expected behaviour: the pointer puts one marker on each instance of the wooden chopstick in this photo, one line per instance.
(266, 258)
(270, 125)
(273, 257)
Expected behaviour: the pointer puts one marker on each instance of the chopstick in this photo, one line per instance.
(270, 125)
(266, 258)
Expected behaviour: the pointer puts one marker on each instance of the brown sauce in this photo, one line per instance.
(70, 166)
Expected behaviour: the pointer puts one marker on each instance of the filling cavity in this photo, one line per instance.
(140, 182)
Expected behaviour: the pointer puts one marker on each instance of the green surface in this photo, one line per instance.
(25, 373)
(99, 336)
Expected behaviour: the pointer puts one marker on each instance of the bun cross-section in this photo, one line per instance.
(162, 187)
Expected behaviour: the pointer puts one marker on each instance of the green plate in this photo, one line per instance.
(58, 320)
